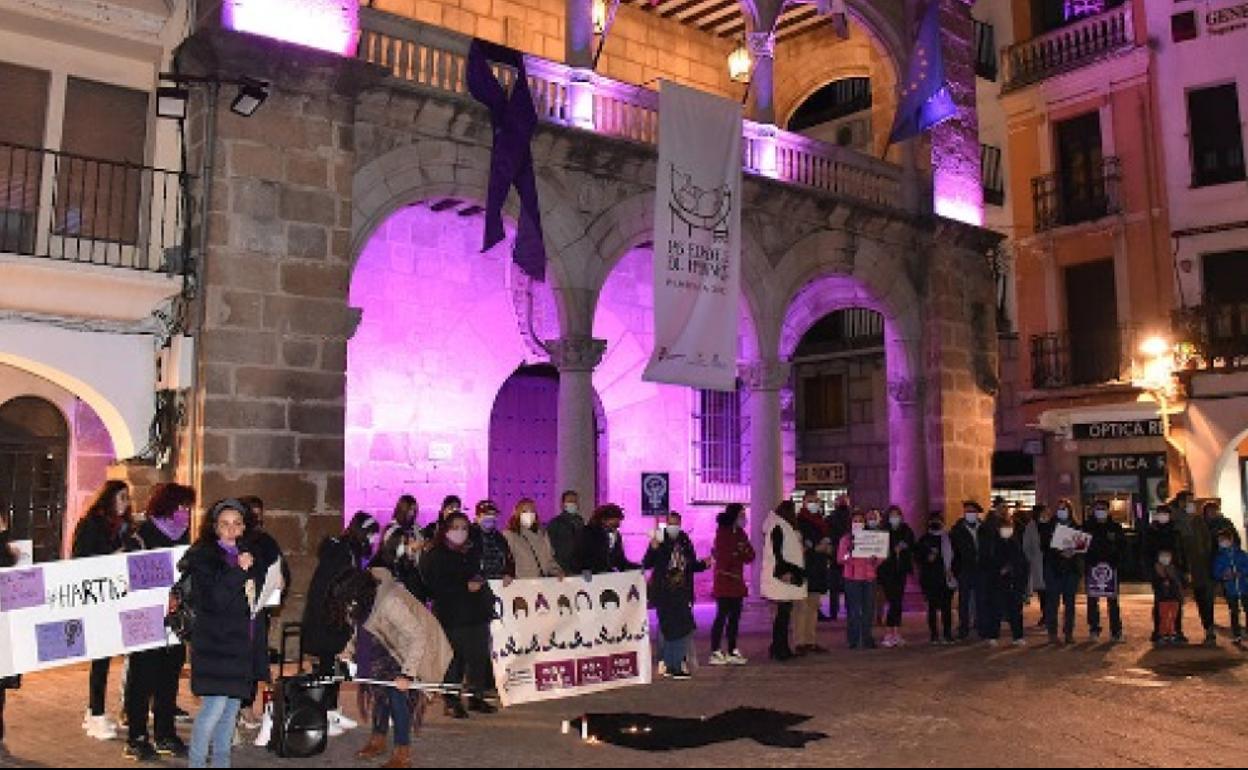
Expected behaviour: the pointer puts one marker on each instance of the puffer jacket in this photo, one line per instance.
(227, 654)
(733, 552)
(856, 568)
(1230, 568)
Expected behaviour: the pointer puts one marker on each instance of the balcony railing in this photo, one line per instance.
(1069, 48)
(1063, 360)
(66, 207)
(1213, 337)
(1060, 201)
(435, 58)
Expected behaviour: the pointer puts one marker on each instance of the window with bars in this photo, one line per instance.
(993, 175)
(985, 51)
(721, 436)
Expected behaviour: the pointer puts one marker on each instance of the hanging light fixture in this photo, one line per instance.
(740, 63)
(599, 11)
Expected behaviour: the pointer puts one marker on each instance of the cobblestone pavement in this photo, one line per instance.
(1087, 705)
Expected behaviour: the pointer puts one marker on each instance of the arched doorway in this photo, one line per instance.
(1231, 479)
(34, 459)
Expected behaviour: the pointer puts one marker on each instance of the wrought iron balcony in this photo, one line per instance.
(1064, 360)
(1213, 337)
(71, 208)
(434, 58)
(1060, 201)
(1068, 48)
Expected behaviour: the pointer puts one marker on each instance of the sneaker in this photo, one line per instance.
(889, 642)
(934, 641)
(172, 747)
(718, 658)
(661, 670)
(101, 729)
(336, 730)
(898, 641)
(266, 730)
(994, 643)
(735, 658)
(681, 675)
(140, 751)
(344, 721)
(1020, 642)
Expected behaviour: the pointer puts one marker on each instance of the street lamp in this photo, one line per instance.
(739, 64)
(599, 13)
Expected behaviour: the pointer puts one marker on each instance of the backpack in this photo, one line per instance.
(180, 615)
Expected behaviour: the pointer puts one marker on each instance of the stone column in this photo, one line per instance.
(958, 191)
(764, 380)
(762, 47)
(907, 454)
(579, 34)
(576, 358)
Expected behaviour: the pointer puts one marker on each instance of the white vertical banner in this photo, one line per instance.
(697, 240)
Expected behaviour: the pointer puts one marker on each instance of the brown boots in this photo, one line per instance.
(401, 758)
(376, 746)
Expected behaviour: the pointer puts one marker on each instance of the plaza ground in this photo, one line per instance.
(1088, 705)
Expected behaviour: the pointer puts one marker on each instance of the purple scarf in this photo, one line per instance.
(514, 119)
(231, 553)
(173, 527)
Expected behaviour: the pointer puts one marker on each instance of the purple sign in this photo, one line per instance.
(1102, 581)
(20, 589)
(150, 570)
(142, 626)
(61, 640)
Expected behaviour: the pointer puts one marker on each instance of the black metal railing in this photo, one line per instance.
(993, 175)
(1061, 201)
(1070, 47)
(67, 207)
(985, 51)
(1213, 336)
(1063, 359)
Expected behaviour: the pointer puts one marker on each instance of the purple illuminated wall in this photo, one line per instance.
(437, 340)
(327, 25)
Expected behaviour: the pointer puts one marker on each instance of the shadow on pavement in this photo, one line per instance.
(648, 732)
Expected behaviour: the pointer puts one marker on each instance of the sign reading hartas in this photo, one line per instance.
(697, 240)
(65, 612)
(555, 639)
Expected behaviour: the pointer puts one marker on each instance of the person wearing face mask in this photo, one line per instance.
(784, 574)
(1163, 535)
(1032, 546)
(602, 547)
(450, 504)
(1230, 568)
(152, 681)
(322, 636)
(464, 605)
(818, 551)
(1168, 584)
(1062, 571)
(933, 556)
(838, 527)
(860, 577)
(1108, 548)
(1007, 572)
(732, 553)
(673, 562)
(894, 572)
(406, 514)
(531, 551)
(967, 538)
(565, 533)
(497, 562)
(1199, 548)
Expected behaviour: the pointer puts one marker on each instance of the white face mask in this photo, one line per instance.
(741, 522)
(1191, 509)
(812, 507)
(1164, 560)
(673, 531)
(402, 552)
(571, 508)
(457, 536)
(1162, 518)
(972, 518)
(1101, 514)
(1063, 514)
(858, 526)
(1007, 532)
(527, 519)
(374, 540)
(1224, 543)
(894, 521)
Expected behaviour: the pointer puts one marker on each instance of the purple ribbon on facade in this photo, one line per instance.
(514, 119)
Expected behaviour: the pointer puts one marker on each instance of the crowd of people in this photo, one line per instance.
(411, 605)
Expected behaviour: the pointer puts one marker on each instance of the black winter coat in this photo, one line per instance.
(599, 557)
(1109, 543)
(671, 592)
(1005, 564)
(228, 653)
(321, 637)
(929, 557)
(93, 537)
(565, 534)
(446, 573)
(1054, 561)
(818, 565)
(967, 544)
(898, 567)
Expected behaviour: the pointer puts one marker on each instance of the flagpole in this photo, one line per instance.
(606, 30)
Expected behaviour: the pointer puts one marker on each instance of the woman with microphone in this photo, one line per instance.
(227, 654)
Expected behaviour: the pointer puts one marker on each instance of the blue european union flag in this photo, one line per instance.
(925, 101)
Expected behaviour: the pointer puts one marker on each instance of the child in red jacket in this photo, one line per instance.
(732, 553)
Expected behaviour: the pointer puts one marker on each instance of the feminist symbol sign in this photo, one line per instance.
(655, 494)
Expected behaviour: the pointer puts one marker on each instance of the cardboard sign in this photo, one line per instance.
(145, 625)
(150, 569)
(870, 544)
(1070, 539)
(1102, 581)
(60, 640)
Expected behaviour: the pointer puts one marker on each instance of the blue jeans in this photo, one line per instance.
(394, 706)
(674, 652)
(1062, 587)
(859, 612)
(214, 727)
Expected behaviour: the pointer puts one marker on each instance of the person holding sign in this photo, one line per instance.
(859, 555)
(152, 682)
(1104, 560)
(1061, 570)
(8, 558)
(227, 654)
(100, 532)
(673, 562)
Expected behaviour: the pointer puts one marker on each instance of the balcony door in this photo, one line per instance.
(1080, 167)
(34, 461)
(22, 122)
(1226, 303)
(1092, 322)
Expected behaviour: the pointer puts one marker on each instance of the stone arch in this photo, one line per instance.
(630, 223)
(440, 168)
(884, 19)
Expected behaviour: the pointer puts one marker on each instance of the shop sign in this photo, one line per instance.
(1124, 465)
(1123, 429)
(1223, 21)
(822, 475)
